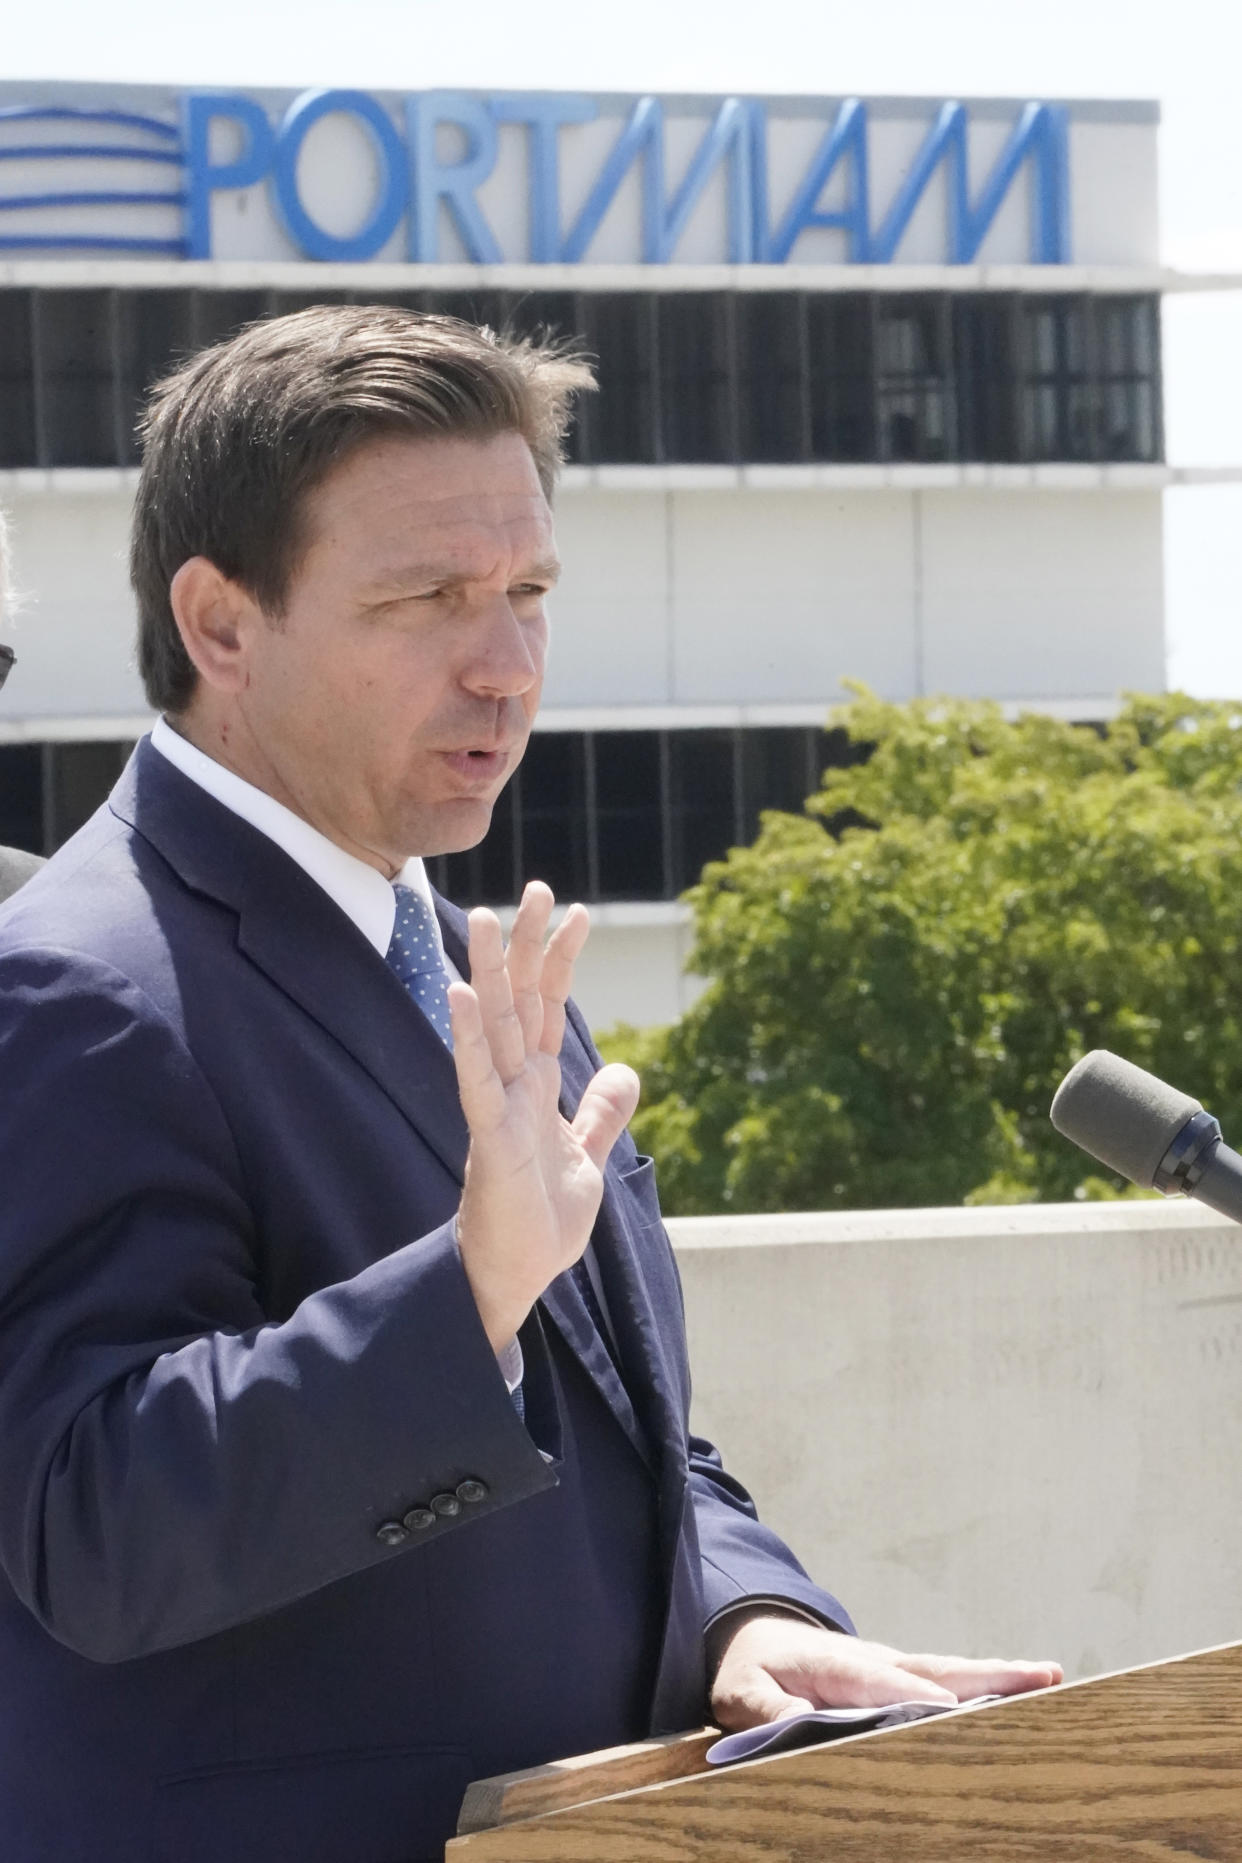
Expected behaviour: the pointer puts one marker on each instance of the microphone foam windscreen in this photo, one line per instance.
(1121, 1114)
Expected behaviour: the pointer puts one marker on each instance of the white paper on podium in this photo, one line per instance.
(812, 1728)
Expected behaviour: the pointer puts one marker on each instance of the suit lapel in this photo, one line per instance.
(302, 941)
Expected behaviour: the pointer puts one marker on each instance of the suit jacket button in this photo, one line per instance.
(445, 1505)
(471, 1490)
(390, 1533)
(418, 1519)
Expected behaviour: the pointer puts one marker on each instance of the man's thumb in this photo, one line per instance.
(604, 1110)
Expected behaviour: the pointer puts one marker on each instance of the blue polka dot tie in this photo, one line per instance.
(415, 955)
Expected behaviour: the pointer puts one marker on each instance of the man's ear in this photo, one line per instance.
(215, 617)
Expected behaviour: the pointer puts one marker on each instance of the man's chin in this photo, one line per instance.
(454, 827)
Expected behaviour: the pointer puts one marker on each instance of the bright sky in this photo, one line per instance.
(1187, 55)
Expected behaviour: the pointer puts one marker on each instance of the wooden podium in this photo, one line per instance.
(1129, 1768)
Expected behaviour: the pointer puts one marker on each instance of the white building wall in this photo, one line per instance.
(700, 598)
(705, 598)
(74, 627)
(1041, 595)
(1002, 1432)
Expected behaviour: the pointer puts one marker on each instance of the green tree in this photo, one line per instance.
(899, 977)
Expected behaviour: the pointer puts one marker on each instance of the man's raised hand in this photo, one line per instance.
(534, 1180)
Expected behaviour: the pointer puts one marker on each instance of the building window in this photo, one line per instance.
(21, 797)
(698, 376)
(983, 353)
(603, 815)
(1127, 332)
(1057, 395)
(47, 791)
(701, 811)
(698, 398)
(773, 407)
(841, 376)
(18, 442)
(621, 424)
(76, 378)
(914, 407)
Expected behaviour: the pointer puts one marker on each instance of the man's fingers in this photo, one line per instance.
(479, 1086)
(605, 1110)
(557, 977)
(970, 1677)
(881, 1686)
(489, 978)
(524, 958)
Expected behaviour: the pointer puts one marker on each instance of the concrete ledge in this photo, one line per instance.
(1151, 1217)
(1013, 1430)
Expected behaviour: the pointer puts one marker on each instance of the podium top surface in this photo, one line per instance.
(1144, 1764)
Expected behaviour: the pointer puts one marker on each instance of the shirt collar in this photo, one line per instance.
(361, 891)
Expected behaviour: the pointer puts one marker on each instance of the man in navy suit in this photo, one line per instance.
(343, 1395)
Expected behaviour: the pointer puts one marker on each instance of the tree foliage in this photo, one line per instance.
(899, 977)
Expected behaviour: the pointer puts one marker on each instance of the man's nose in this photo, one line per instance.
(508, 656)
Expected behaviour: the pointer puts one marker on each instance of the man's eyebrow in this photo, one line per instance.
(442, 575)
(548, 569)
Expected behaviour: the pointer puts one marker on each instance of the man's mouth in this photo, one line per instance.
(477, 764)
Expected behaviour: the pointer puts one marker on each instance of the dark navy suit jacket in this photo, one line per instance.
(237, 1344)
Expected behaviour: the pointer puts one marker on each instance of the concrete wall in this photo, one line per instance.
(706, 597)
(1013, 1431)
(702, 598)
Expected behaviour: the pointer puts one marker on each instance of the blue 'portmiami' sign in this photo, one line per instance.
(541, 178)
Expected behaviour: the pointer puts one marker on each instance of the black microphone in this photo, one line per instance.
(1147, 1131)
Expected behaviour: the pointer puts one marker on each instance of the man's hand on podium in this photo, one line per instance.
(773, 1665)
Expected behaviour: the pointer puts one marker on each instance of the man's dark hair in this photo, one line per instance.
(238, 437)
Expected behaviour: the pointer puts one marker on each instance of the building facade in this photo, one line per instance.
(879, 399)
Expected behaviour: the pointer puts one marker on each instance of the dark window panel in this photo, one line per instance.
(554, 813)
(155, 330)
(1057, 387)
(914, 378)
(702, 803)
(780, 769)
(219, 314)
(18, 443)
(77, 780)
(286, 303)
(983, 344)
(400, 300)
(620, 424)
(771, 376)
(841, 371)
(1127, 347)
(75, 347)
(697, 391)
(546, 314)
(21, 797)
(629, 814)
(493, 308)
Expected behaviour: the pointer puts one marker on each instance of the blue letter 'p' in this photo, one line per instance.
(203, 176)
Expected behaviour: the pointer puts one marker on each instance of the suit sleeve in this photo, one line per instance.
(173, 1464)
(742, 1560)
